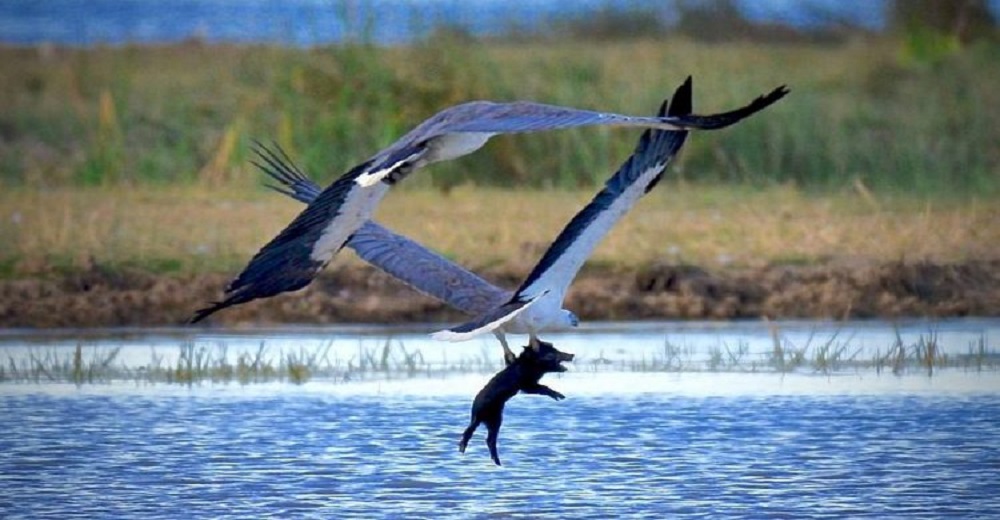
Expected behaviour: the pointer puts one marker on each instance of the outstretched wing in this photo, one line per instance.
(293, 258)
(462, 129)
(640, 173)
(397, 255)
(425, 270)
(525, 116)
(563, 259)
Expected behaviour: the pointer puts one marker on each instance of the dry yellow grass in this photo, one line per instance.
(199, 230)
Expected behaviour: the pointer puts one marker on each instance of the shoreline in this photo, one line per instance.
(352, 294)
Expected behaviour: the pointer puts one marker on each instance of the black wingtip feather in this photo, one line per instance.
(205, 312)
(277, 165)
(232, 299)
(718, 121)
(257, 282)
(681, 104)
(282, 191)
(284, 264)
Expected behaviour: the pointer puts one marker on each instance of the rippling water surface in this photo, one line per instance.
(910, 446)
(622, 445)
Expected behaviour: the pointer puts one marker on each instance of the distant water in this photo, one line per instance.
(309, 22)
(642, 446)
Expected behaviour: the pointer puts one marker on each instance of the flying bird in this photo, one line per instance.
(292, 259)
(537, 304)
(403, 258)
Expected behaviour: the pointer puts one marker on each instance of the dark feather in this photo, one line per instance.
(285, 263)
(277, 165)
(397, 255)
(664, 144)
(717, 121)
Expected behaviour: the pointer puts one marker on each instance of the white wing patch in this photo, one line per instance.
(441, 148)
(368, 179)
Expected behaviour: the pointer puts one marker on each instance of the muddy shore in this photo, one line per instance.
(100, 297)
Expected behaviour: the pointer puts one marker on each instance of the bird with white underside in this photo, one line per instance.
(537, 305)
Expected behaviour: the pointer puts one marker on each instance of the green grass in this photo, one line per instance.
(830, 356)
(196, 365)
(186, 113)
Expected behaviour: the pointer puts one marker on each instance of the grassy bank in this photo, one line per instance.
(184, 114)
(194, 230)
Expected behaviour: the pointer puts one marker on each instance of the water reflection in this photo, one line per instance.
(352, 354)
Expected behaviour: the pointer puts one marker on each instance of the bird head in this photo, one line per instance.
(570, 321)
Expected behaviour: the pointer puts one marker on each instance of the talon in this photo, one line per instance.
(508, 355)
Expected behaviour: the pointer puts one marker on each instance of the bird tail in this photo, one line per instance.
(489, 321)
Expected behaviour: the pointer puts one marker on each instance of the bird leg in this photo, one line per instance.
(533, 342)
(508, 355)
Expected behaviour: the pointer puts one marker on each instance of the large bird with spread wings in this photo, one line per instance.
(537, 305)
(292, 259)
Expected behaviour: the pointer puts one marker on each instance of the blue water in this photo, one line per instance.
(681, 440)
(621, 446)
(309, 22)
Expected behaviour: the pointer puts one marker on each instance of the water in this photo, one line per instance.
(688, 443)
(673, 346)
(311, 22)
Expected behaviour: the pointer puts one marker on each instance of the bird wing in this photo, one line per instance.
(293, 258)
(489, 320)
(425, 270)
(397, 255)
(563, 259)
(526, 116)
(440, 137)
(636, 177)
